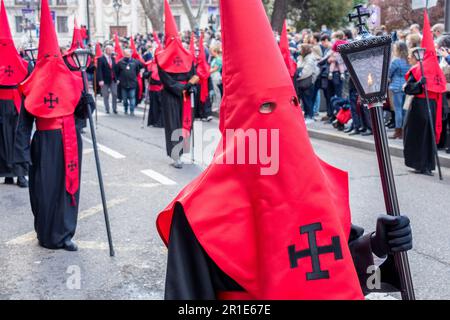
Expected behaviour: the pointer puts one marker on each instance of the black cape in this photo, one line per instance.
(418, 141)
(172, 109)
(155, 117)
(55, 216)
(8, 123)
(193, 275)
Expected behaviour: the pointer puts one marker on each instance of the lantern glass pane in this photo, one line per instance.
(368, 66)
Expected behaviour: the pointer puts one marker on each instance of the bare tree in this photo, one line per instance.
(279, 14)
(154, 11)
(194, 20)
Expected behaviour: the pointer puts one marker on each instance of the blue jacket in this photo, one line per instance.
(397, 72)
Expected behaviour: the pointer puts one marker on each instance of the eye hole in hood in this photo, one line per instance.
(267, 107)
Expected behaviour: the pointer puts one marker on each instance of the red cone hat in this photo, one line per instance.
(51, 75)
(258, 237)
(135, 54)
(284, 47)
(174, 58)
(203, 70)
(171, 29)
(13, 69)
(98, 52)
(117, 48)
(158, 43)
(77, 40)
(192, 45)
(436, 81)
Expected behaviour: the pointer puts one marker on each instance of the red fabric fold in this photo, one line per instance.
(187, 115)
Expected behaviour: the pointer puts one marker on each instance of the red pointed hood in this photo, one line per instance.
(257, 237)
(203, 70)
(285, 51)
(51, 79)
(77, 40)
(436, 81)
(135, 54)
(13, 69)
(158, 43)
(98, 52)
(175, 58)
(117, 48)
(171, 29)
(192, 45)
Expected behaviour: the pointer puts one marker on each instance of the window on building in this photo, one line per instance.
(62, 24)
(19, 24)
(178, 22)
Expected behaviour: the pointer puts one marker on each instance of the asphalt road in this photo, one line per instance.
(140, 183)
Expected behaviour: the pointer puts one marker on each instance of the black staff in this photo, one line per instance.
(81, 57)
(419, 54)
(390, 194)
(367, 60)
(192, 92)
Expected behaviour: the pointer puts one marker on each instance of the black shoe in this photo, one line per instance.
(22, 182)
(9, 180)
(70, 246)
(448, 150)
(428, 173)
(367, 133)
(107, 112)
(115, 111)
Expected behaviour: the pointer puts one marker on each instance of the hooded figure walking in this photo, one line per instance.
(53, 99)
(247, 231)
(13, 70)
(177, 75)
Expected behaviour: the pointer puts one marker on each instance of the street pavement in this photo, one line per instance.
(140, 183)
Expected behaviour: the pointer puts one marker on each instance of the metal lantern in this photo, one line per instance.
(81, 58)
(419, 54)
(367, 60)
(31, 54)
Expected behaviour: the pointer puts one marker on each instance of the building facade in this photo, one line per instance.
(131, 19)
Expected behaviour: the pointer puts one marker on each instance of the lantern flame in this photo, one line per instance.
(370, 80)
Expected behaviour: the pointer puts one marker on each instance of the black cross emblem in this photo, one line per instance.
(177, 61)
(314, 252)
(437, 80)
(50, 100)
(72, 166)
(361, 13)
(9, 71)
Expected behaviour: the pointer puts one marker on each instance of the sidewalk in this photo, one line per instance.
(322, 131)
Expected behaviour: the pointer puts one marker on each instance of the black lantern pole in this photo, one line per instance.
(367, 60)
(81, 58)
(419, 54)
(192, 93)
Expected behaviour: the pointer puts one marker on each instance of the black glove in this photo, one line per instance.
(87, 99)
(393, 235)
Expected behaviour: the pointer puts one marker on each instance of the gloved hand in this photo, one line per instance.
(393, 234)
(86, 99)
(342, 76)
(330, 76)
(212, 94)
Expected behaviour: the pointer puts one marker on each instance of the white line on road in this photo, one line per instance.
(159, 177)
(31, 236)
(108, 151)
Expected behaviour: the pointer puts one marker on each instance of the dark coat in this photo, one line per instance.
(127, 71)
(104, 71)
